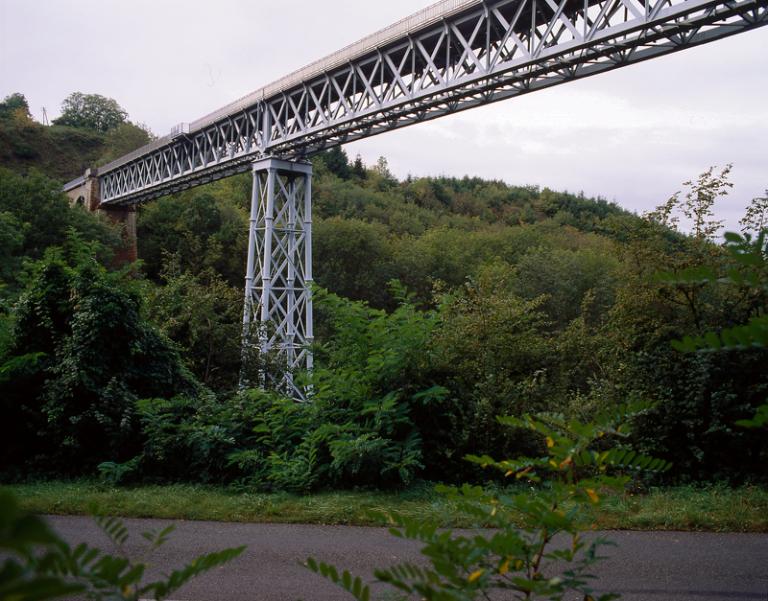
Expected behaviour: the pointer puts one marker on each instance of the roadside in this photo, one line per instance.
(710, 509)
(644, 566)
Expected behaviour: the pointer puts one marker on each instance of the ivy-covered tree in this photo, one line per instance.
(81, 354)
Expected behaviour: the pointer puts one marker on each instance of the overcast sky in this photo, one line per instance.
(632, 135)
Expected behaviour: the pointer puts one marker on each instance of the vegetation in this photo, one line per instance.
(519, 554)
(711, 508)
(66, 149)
(91, 111)
(39, 565)
(442, 304)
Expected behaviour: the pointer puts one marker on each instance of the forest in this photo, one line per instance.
(441, 304)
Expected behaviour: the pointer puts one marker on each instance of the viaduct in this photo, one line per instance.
(451, 56)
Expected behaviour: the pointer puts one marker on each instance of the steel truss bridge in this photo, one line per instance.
(449, 57)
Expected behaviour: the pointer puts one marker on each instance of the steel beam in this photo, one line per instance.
(277, 315)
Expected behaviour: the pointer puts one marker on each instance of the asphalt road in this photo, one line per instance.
(645, 566)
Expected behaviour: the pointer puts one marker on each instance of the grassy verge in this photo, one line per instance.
(714, 509)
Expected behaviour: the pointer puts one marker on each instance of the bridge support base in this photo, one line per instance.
(277, 317)
(88, 195)
(125, 217)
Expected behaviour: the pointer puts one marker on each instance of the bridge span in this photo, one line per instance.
(451, 56)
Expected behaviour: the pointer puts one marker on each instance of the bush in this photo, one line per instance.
(519, 555)
(81, 354)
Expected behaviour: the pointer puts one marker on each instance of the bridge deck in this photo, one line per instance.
(382, 38)
(451, 56)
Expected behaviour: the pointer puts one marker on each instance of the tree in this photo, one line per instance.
(14, 106)
(123, 139)
(34, 215)
(756, 218)
(203, 229)
(697, 204)
(81, 354)
(353, 259)
(337, 162)
(382, 177)
(204, 316)
(358, 168)
(91, 111)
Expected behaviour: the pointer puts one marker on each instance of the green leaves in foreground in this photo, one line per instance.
(760, 420)
(536, 547)
(753, 334)
(749, 275)
(40, 565)
(20, 536)
(354, 586)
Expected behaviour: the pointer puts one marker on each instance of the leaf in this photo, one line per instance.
(475, 576)
(198, 566)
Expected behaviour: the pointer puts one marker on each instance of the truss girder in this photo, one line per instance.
(277, 312)
(492, 51)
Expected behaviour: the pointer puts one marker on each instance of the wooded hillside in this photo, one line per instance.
(443, 303)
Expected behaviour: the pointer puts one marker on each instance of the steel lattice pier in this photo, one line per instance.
(277, 318)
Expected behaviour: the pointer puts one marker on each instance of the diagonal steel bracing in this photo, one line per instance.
(277, 318)
(453, 56)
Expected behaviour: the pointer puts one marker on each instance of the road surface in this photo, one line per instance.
(645, 566)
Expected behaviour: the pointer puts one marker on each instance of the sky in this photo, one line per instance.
(632, 136)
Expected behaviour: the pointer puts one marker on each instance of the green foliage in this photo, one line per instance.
(364, 425)
(81, 353)
(491, 351)
(750, 274)
(354, 259)
(35, 215)
(117, 473)
(21, 537)
(14, 107)
(334, 160)
(203, 315)
(521, 299)
(696, 205)
(195, 438)
(91, 111)
(353, 585)
(39, 565)
(566, 276)
(760, 420)
(122, 139)
(203, 231)
(371, 389)
(536, 548)
(59, 151)
(755, 219)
